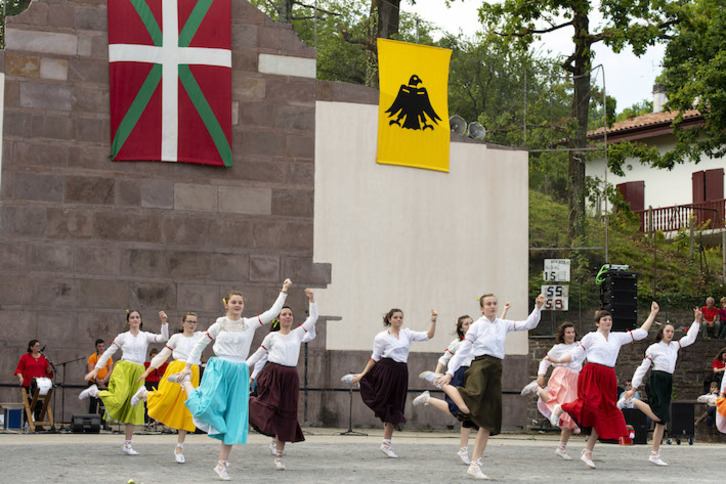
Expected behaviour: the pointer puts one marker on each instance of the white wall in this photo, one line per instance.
(663, 188)
(414, 239)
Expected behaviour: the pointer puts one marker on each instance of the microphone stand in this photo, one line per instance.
(63, 386)
(55, 371)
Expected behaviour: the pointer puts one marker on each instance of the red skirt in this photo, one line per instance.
(384, 388)
(273, 412)
(595, 403)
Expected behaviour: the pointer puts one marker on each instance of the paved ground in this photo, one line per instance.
(327, 457)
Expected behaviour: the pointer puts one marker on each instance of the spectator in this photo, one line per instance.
(636, 395)
(711, 323)
(722, 316)
(104, 374)
(154, 377)
(709, 399)
(719, 366)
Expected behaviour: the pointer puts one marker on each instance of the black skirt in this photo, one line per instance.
(273, 412)
(384, 388)
(659, 387)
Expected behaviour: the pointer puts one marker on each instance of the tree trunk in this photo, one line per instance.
(384, 20)
(284, 11)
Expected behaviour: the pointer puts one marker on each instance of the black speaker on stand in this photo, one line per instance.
(86, 423)
(619, 295)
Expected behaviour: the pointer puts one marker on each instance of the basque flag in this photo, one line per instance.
(170, 64)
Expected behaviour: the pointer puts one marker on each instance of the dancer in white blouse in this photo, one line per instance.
(221, 402)
(594, 410)
(384, 381)
(480, 399)
(562, 386)
(273, 412)
(662, 355)
(166, 404)
(124, 380)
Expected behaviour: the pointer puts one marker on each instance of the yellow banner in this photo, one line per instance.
(413, 109)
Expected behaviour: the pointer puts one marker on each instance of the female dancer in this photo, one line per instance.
(721, 408)
(123, 384)
(384, 380)
(480, 400)
(562, 386)
(220, 404)
(447, 405)
(662, 355)
(594, 410)
(273, 412)
(167, 403)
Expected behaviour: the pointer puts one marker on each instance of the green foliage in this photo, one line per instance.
(637, 109)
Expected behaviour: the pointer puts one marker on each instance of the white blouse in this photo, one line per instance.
(605, 351)
(487, 338)
(178, 346)
(234, 338)
(284, 349)
(133, 347)
(451, 350)
(663, 356)
(557, 352)
(385, 345)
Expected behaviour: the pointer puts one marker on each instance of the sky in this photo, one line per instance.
(628, 79)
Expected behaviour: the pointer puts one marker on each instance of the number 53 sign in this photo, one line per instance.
(556, 297)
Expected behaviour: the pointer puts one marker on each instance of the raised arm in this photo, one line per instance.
(654, 308)
(533, 318)
(270, 314)
(640, 372)
(164, 336)
(692, 334)
(432, 326)
(309, 323)
(507, 305)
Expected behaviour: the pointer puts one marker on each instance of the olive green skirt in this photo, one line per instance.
(483, 393)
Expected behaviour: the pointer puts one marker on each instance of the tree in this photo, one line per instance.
(9, 9)
(637, 24)
(638, 109)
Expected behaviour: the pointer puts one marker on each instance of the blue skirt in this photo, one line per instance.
(220, 405)
(456, 381)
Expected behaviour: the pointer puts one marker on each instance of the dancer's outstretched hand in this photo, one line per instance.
(286, 285)
(443, 379)
(697, 315)
(539, 302)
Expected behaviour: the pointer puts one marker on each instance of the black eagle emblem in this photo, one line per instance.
(412, 106)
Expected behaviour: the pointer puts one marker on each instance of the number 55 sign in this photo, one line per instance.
(556, 297)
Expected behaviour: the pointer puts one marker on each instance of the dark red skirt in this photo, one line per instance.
(273, 412)
(595, 405)
(384, 388)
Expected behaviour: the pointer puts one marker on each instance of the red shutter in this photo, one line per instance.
(634, 194)
(714, 184)
(698, 181)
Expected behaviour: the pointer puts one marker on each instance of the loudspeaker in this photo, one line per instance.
(639, 421)
(681, 424)
(89, 423)
(619, 295)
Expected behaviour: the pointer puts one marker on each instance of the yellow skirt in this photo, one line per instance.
(121, 387)
(167, 403)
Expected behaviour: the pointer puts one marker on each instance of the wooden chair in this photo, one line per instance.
(45, 410)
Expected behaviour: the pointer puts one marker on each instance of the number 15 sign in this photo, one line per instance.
(556, 270)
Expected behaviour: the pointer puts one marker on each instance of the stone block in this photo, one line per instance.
(276, 36)
(293, 203)
(257, 114)
(252, 201)
(13, 256)
(12, 93)
(45, 96)
(236, 234)
(323, 90)
(157, 194)
(91, 18)
(93, 130)
(264, 268)
(268, 172)
(93, 190)
(53, 127)
(98, 260)
(18, 327)
(22, 65)
(85, 46)
(87, 99)
(84, 156)
(67, 223)
(189, 265)
(51, 258)
(144, 263)
(40, 154)
(244, 60)
(290, 89)
(263, 143)
(295, 117)
(99, 323)
(235, 113)
(190, 230)
(40, 42)
(245, 12)
(307, 272)
(294, 236)
(61, 16)
(230, 267)
(199, 198)
(352, 93)
(198, 298)
(36, 186)
(244, 35)
(285, 65)
(127, 227)
(16, 123)
(247, 87)
(300, 146)
(88, 70)
(22, 220)
(301, 174)
(128, 192)
(156, 296)
(56, 292)
(56, 69)
(103, 293)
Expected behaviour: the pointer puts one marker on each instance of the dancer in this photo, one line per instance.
(562, 385)
(220, 404)
(384, 380)
(594, 410)
(721, 408)
(480, 400)
(166, 404)
(273, 412)
(662, 355)
(123, 384)
(447, 405)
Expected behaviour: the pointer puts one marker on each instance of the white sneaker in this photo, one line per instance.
(475, 472)
(347, 378)
(138, 396)
(555, 417)
(174, 378)
(388, 450)
(422, 399)
(464, 455)
(430, 377)
(129, 450)
(623, 402)
(279, 465)
(531, 387)
(221, 470)
(273, 447)
(655, 459)
(587, 460)
(93, 389)
(562, 453)
(179, 456)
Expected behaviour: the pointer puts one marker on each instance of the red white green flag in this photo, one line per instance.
(170, 65)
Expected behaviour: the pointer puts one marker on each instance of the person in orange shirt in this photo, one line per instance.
(104, 374)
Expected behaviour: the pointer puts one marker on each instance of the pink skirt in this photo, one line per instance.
(562, 388)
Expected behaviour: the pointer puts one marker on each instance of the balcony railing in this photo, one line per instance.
(670, 219)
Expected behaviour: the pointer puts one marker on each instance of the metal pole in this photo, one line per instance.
(605, 142)
(524, 118)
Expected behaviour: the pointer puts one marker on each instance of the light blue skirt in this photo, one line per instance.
(220, 405)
